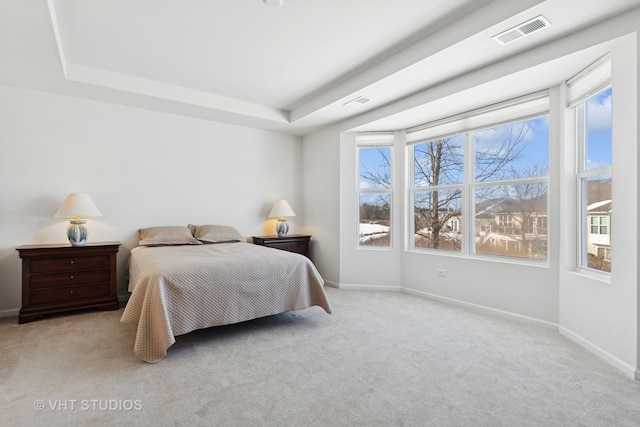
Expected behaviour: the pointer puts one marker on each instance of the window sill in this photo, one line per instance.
(587, 273)
(374, 248)
(495, 259)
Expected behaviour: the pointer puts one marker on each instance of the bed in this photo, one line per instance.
(177, 288)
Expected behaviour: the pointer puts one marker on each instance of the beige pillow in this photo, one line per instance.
(216, 233)
(169, 235)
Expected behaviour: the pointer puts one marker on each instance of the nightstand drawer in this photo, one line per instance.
(69, 278)
(50, 265)
(297, 243)
(299, 248)
(45, 296)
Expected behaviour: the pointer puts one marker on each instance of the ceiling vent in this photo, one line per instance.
(521, 30)
(361, 100)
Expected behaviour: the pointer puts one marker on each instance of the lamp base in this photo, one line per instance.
(282, 228)
(77, 232)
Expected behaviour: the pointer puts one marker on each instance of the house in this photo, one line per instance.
(507, 225)
(599, 236)
(165, 121)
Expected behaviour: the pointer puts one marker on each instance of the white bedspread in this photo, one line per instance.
(178, 289)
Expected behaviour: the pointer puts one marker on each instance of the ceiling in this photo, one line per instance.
(290, 69)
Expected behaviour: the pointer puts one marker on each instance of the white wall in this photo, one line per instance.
(142, 169)
(321, 182)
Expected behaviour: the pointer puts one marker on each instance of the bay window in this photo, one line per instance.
(479, 181)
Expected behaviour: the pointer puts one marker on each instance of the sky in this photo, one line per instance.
(372, 159)
(535, 144)
(599, 139)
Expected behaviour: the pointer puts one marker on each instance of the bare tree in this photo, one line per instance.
(441, 162)
(528, 202)
(435, 163)
(375, 200)
(379, 176)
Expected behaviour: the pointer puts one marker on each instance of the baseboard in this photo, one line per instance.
(331, 284)
(627, 369)
(10, 313)
(386, 288)
(485, 309)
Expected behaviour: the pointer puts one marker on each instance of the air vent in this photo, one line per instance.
(521, 30)
(358, 101)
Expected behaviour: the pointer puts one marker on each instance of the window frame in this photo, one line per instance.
(413, 189)
(469, 185)
(580, 88)
(583, 175)
(369, 141)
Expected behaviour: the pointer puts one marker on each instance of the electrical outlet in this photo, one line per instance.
(441, 272)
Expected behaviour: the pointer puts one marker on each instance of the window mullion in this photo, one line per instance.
(581, 136)
(468, 215)
(514, 181)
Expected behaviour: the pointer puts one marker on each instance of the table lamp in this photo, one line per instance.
(77, 207)
(281, 210)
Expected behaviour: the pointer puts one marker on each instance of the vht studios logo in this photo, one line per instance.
(88, 405)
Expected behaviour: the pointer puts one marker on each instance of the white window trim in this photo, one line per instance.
(533, 106)
(509, 111)
(580, 88)
(375, 140)
(591, 80)
(517, 181)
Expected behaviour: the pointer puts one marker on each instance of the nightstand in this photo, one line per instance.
(297, 243)
(58, 278)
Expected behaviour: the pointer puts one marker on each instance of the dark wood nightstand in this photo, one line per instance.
(298, 243)
(58, 278)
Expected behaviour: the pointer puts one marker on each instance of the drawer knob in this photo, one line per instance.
(71, 292)
(71, 277)
(71, 262)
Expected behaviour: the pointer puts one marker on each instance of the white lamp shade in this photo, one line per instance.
(78, 205)
(280, 209)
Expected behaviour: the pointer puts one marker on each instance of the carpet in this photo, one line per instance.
(382, 359)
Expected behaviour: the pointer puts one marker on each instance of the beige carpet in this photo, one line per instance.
(382, 359)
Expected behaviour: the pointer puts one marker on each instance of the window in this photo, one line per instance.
(599, 224)
(510, 189)
(374, 190)
(590, 95)
(483, 188)
(594, 141)
(505, 220)
(437, 193)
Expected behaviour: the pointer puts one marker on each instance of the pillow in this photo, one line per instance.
(171, 235)
(216, 233)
